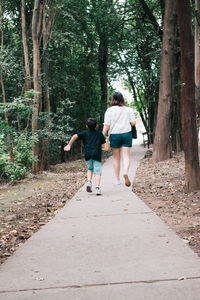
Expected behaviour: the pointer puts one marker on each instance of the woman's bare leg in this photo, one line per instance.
(116, 162)
(126, 158)
(126, 164)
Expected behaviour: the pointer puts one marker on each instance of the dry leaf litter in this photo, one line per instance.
(161, 187)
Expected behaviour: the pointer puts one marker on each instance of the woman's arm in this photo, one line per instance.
(105, 129)
(68, 146)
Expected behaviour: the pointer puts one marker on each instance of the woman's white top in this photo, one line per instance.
(119, 119)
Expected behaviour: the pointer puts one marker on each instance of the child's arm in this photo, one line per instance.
(68, 146)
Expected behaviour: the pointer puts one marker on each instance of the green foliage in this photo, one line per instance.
(81, 29)
(16, 163)
(138, 57)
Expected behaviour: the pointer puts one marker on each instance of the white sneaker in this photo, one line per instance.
(98, 191)
(89, 186)
(117, 181)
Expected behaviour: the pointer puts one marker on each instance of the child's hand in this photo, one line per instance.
(67, 148)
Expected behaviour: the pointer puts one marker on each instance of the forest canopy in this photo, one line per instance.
(57, 64)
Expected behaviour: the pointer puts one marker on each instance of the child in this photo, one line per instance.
(93, 141)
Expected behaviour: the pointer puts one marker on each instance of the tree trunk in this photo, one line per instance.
(44, 160)
(162, 144)
(197, 56)
(25, 47)
(36, 79)
(190, 142)
(103, 65)
(1, 73)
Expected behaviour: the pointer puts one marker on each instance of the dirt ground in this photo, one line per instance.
(30, 204)
(161, 187)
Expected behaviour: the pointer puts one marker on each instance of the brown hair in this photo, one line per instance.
(117, 99)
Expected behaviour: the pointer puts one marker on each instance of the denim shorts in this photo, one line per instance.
(118, 140)
(94, 165)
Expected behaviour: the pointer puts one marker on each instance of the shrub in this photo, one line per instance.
(16, 162)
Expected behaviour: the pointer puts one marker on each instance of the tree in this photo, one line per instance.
(47, 24)
(36, 24)
(105, 18)
(152, 18)
(139, 47)
(1, 68)
(190, 141)
(162, 144)
(25, 47)
(197, 56)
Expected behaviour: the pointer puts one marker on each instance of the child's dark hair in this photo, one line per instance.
(117, 99)
(91, 123)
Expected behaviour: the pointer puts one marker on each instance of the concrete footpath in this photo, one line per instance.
(109, 247)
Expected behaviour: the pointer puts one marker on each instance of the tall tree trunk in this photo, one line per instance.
(44, 160)
(103, 66)
(162, 145)
(190, 141)
(197, 56)
(1, 73)
(36, 78)
(25, 46)
(102, 30)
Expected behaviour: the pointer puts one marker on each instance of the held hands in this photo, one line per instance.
(67, 148)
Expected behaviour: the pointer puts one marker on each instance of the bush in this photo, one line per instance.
(16, 162)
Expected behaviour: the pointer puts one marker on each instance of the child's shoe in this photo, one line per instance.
(89, 186)
(98, 191)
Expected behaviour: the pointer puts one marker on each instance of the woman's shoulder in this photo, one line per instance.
(114, 108)
(130, 109)
(111, 109)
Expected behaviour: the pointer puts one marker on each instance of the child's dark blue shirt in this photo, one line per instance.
(92, 141)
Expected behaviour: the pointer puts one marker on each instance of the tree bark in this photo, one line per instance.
(102, 29)
(103, 66)
(162, 144)
(25, 46)
(44, 160)
(197, 56)
(1, 73)
(190, 141)
(36, 79)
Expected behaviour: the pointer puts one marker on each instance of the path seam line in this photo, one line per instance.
(87, 285)
(108, 215)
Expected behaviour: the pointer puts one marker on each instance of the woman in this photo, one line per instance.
(118, 120)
